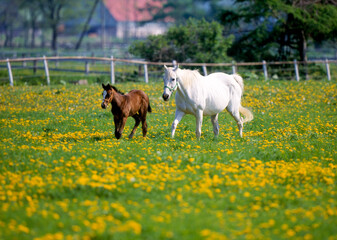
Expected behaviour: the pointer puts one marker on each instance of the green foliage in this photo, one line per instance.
(179, 10)
(196, 41)
(280, 29)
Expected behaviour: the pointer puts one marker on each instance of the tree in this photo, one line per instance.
(280, 29)
(196, 41)
(8, 15)
(52, 11)
(86, 26)
(32, 17)
(178, 11)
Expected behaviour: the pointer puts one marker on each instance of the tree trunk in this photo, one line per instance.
(86, 25)
(303, 47)
(33, 25)
(54, 37)
(303, 52)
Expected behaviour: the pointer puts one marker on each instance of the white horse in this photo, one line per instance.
(205, 96)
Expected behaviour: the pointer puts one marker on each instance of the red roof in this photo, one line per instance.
(131, 10)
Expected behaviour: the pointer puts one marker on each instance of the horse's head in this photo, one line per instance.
(170, 82)
(107, 95)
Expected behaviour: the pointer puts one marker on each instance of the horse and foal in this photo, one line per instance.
(135, 104)
(196, 95)
(205, 96)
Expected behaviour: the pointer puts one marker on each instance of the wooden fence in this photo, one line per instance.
(233, 65)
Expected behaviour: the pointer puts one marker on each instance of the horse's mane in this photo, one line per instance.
(114, 88)
(190, 75)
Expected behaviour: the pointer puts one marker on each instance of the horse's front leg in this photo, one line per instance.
(199, 117)
(179, 115)
(119, 127)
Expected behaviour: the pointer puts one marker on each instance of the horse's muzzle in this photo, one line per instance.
(103, 105)
(166, 97)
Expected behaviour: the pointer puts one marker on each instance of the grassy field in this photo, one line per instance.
(63, 175)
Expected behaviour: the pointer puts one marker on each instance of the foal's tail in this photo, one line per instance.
(149, 109)
(248, 114)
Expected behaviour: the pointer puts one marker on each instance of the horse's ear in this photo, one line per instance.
(176, 67)
(165, 67)
(103, 86)
(108, 86)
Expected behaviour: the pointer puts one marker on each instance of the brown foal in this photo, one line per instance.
(135, 104)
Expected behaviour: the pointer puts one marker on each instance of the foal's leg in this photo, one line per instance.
(137, 122)
(120, 127)
(117, 122)
(199, 117)
(214, 120)
(179, 115)
(234, 111)
(144, 126)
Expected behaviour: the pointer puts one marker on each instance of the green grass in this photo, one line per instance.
(64, 175)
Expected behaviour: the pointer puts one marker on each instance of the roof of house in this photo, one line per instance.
(131, 10)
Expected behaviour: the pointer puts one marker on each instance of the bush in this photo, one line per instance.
(196, 41)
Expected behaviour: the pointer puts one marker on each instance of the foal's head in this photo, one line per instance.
(108, 94)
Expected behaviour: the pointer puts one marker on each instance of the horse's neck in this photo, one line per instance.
(118, 99)
(187, 80)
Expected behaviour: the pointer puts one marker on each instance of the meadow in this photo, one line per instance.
(63, 175)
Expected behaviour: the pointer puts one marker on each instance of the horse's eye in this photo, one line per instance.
(172, 79)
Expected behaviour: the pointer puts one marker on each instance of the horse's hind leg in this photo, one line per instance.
(144, 127)
(234, 111)
(137, 122)
(199, 117)
(214, 120)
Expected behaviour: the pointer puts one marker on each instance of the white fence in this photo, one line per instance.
(266, 68)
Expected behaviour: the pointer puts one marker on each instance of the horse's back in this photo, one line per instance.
(212, 93)
(139, 99)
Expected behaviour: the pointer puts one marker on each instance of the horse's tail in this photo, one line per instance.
(239, 80)
(246, 113)
(149, 109)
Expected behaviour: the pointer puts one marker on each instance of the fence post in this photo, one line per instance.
(146, 73)
(56, 62)
(34, 66)
(204, 69)
(296, 71)
(265, 72)
(11, 82)
(46, 69)
(233, 67)
(87, 67)
(24, 64)
(112, 70)
(327, 69)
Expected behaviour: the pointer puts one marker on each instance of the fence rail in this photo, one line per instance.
(264, 67)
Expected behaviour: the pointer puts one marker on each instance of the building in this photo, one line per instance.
(133, 18)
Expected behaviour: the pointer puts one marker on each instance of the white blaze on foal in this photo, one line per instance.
(205, 96)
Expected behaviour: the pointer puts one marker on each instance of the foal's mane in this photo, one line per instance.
(114, 88)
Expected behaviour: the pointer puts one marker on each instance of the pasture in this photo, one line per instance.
(63, 175)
